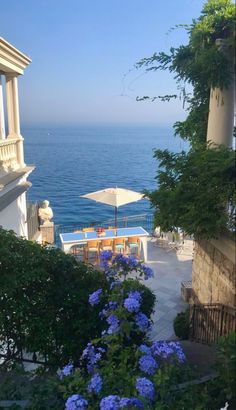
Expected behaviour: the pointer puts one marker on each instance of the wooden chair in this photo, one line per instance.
(134, 244)
(106, 245)
(119, 245)
(78, 231)
(92, 247)
(78, 251)
(88, 229)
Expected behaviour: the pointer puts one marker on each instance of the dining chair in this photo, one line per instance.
(88, 229)
(106, 245)
(92, 247)
(134, 245)
(78, 251)
(119, 245)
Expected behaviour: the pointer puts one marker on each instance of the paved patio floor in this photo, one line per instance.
(170, 269)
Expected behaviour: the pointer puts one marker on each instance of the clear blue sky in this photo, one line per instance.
(81, 52)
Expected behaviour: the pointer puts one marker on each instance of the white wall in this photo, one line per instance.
(14, 216)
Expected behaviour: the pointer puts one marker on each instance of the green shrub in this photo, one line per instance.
(181, 325)
(44, 300)
(226, 366)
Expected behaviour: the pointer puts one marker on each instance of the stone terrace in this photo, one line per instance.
(170, 269)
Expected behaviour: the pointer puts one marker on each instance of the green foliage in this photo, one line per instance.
(226, 367)
(181, 325)
(200, 63)
(44, 300)
(194, 190)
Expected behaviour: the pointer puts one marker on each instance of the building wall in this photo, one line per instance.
(14, 216)
(214, 275)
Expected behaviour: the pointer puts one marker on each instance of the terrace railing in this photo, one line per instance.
(8, 155)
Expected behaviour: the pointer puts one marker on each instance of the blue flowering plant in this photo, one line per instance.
(115, 371)
(119, 266)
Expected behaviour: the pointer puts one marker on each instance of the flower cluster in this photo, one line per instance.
(66, 371)
(110, 306)
(113, 323)
(76, 402)
(121, 265)
(92, 356)
(145, 388)
(94, 298)
(142, 321)
(148, 272)
(165, 350)
(132, 303)
(133, 402)
(148, 364)
(95, 384)
(110, 403)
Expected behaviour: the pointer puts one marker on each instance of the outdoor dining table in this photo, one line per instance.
(82, 238)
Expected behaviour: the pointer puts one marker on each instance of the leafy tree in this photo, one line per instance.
(194, 190)
(200, 63)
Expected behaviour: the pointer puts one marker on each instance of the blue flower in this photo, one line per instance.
(148, 272)
(135, 294)
(145, 349)
(113, 321)
(148, 364)
(95, 384)
(142, 321)
(66, 371)
(132, 402)
(76, 402)
(94, 298)
(92, 356)
(132, 304)
(110, 403)
(145, 388)
(176, 346)
(106, 255)
(166, 349)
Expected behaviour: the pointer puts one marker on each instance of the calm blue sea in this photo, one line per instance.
(74, 161)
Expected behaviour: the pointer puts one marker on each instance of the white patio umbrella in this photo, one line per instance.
(115, 197)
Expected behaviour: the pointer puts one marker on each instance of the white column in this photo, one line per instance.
(2, 119)
(13, 115)
(221, 109)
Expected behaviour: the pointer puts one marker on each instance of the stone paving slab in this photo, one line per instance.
(170, 269)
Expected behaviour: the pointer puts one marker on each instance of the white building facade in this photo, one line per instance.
(13, 170)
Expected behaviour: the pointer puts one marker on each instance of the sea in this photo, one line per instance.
(72, 161)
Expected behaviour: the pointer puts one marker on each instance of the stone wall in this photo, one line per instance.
(213, 274)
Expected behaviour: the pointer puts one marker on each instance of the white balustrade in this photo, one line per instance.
(8, 155)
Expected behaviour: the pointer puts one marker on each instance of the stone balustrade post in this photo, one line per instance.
(13, 115)
(2, 119)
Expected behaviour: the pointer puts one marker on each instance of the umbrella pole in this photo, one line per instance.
(116, 209)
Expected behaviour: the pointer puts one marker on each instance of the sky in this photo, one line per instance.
(83, 56)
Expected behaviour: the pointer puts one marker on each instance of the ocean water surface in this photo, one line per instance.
(74, 161)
